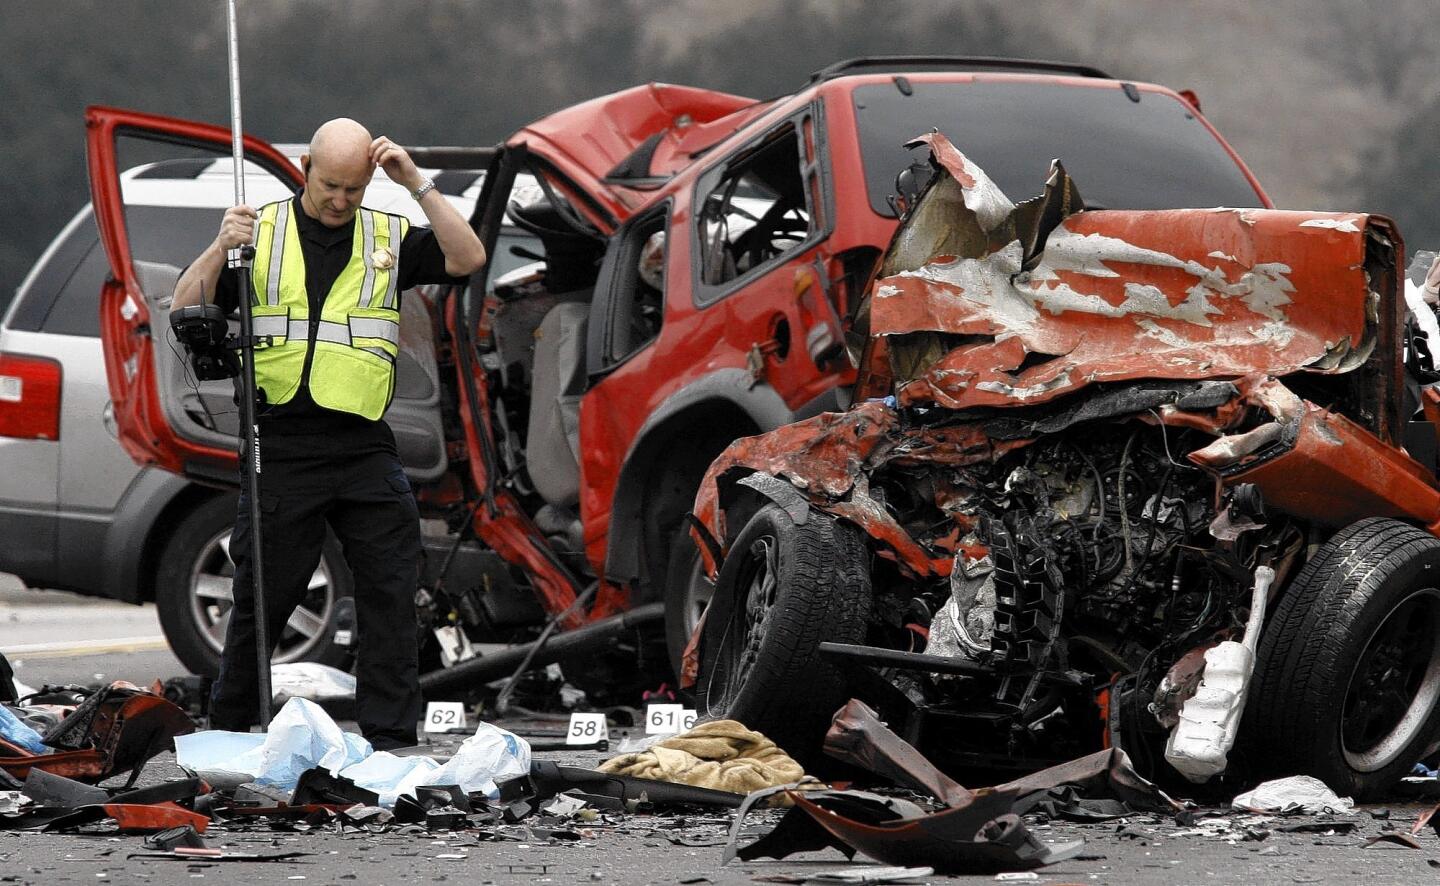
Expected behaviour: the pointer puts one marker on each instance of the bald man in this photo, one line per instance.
(330, 323)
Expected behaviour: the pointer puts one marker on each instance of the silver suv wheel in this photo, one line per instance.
(211, 583)
(193, 595)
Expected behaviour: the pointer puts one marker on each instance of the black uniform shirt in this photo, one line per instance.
(300, 427)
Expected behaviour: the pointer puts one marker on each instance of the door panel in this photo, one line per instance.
(132, 330)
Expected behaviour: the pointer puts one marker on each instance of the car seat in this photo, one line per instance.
(558, 380)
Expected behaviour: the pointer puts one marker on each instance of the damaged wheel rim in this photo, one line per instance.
(699, 589)
(212, 578)
(1395, 684)
(747, 624)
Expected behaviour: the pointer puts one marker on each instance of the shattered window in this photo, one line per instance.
(1148, 154)
(756, 212)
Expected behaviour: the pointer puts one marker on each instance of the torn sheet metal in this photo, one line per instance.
(116, 729)
(858, 737)
(976, 831)
(983, 305)
(1321, 465)
(978, 838)
(828, 458)
(981, 836)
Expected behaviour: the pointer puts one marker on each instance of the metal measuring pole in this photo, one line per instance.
(239, 259)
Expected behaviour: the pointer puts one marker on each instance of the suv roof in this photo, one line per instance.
(898, 63)
(624, 147)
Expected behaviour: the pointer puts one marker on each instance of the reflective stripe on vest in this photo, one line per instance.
(370, 294)
(280, 326)
(356, 338)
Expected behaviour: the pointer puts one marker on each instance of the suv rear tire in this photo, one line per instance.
(192, 594)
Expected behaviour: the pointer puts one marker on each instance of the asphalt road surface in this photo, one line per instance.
(61, 638)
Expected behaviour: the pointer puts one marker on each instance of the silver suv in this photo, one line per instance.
(75, 512)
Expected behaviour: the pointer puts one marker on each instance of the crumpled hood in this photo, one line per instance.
(980, 302)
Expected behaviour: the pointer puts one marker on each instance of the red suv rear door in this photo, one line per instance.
(130, 330)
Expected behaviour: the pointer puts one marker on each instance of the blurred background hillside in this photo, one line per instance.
(1334, 104)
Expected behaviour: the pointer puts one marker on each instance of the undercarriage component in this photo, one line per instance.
(477, 671)
(1209, 720)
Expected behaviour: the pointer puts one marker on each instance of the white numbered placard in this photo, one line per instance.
(587, 729)
(668, 719)
(443, 716)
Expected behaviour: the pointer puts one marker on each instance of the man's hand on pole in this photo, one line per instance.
(237, 228)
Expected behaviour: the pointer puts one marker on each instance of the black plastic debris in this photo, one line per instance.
(1066, 803)
(189, 693)
(252, 794)
(173, 838)
(446, 818)
(547, 779)
(436, 795)
(1317, 827)
(180, 790)
(320, 785)
(58, 791)
(517, 811)
(409, 810)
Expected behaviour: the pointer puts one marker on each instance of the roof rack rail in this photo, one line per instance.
(447, 157)
(953, 63)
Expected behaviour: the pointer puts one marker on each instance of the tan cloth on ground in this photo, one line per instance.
(721, 754)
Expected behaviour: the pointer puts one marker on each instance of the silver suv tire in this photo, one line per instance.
(192, 595)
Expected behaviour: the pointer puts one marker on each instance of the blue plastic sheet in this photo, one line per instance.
(488, 756)
(18, 732)
(390, 776)
(302, 736)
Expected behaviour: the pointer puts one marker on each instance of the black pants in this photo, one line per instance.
(367, 501)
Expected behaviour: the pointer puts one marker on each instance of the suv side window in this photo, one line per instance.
(756, 209)
(630, 294)
(76, 309)
(63, 296)
(79, 243)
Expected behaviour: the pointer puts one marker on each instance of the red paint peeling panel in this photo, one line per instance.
(1108, 295)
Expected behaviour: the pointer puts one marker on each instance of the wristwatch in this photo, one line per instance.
(426, 187)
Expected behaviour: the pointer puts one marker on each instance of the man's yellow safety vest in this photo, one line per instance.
(358, 334)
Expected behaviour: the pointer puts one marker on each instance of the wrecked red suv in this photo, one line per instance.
(703, 254)
(1102, 464)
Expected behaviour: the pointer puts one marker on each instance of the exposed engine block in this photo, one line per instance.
(1096, 537)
